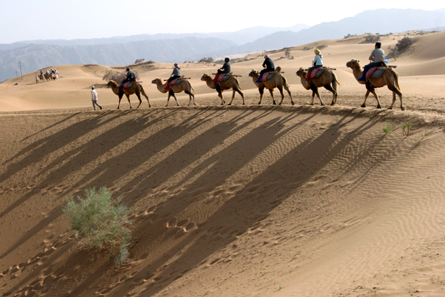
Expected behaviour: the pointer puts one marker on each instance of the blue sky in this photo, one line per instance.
(67, 19)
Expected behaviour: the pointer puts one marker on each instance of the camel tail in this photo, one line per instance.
(335, 79)
(396, 78)
(285, 81)
(143, 91)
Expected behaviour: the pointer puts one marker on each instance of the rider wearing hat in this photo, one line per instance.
(175, 74)
(268, 66)
(130, 77)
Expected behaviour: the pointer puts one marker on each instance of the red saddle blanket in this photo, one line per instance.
(313, 73)
(371, 71)
(127, 84)
(267, 75)
(176, 81)
(222, 77)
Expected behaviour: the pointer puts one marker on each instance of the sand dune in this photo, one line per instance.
(230, 201)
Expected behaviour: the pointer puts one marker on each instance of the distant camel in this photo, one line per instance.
(231, 83)
(47, 76)
(136, 88)
(184, 85)
(42, 77)
(277, 81)
(54, 76)
(389, 78)
(325, 80)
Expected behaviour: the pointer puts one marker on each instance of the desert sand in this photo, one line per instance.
(231, 200)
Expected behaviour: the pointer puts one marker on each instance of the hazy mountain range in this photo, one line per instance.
(37, 54)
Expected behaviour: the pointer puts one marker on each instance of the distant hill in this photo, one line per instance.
(381, 21)
(191, 47)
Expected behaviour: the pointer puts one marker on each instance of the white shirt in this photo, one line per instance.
(94, 95)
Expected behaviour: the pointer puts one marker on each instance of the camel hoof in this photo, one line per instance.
(322, 104)
(379, 106)
(390, 107)
(293, 103)
(274, 103)
(363, 105)
(402, 108)
(229, 104)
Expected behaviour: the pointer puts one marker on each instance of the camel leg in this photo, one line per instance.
(233, 96)
(290, 95)
(190, 97)
(120, 98)
(271, 94)
(371, 89)
(334, 93)
(139, 97)
(394, 92)
(128, 98)
(261, 90)
(315, 92)
(282, 95)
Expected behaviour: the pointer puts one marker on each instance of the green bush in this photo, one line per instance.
(117, 76)
(98, 221)
(404, 43)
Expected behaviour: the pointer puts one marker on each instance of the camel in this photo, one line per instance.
(136, 88)
(47, 76)
(389, 78)
(277, 81)
(231, 83)
(325, 80)
(176, 88)
(41, 77)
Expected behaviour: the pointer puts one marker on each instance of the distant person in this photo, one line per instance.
(377, 58)
(130, 77)
(226, 68)
(317, 62)
(268, 66)
(175, 74)
(94, 98)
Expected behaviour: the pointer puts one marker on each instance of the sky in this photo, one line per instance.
(84, 19)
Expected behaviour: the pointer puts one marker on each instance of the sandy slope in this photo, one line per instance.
(230, 201)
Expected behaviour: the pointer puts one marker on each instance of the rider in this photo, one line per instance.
(226, 68)
(268, 66)
(318, 62)
(130, 77)
(378, 59)
(175, 74)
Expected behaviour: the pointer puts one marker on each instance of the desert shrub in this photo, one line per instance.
(404, 43)
(117, 76)
(349, 35)
(322, 46)
(306, 48)
(100, 222)
(371, 38)
(206, 60)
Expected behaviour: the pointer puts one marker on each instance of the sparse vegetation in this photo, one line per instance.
(206, 60)
(406, 128)
(350, 35)
(371, 38)
(288, 55)
(388, 127)
(306, 48)
(404, 43)
(100, 222)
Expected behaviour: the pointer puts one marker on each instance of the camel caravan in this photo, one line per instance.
(374, 75)
(49, 75)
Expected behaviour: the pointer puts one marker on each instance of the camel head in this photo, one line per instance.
(205, 77)
(253, 73)
(156, 81)
(353, 64)
(112, 83)
(302, 73)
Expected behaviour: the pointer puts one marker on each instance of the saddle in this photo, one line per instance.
(376, 72)
(268, 75)
(176, 81)
(315, 73)
(127, 85)
(223, 77)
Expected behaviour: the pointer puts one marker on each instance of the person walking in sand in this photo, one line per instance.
(94, 98)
